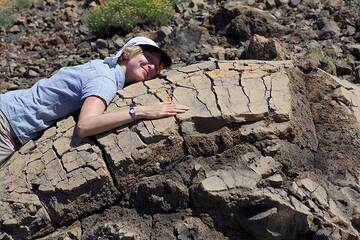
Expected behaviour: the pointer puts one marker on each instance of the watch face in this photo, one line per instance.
(132, 112)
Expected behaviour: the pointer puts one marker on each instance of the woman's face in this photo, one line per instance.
(142, 67)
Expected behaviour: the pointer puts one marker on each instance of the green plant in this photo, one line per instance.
(18, 4)
(6, 13)
(6, 18)
(355, 5)
(155, 12)
(177, 1)
(125, 14)
(324, 57)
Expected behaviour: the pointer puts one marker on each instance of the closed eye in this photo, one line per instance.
(154, 61)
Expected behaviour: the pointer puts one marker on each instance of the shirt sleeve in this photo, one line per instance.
(102, 87)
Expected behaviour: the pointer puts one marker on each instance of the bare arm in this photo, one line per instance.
(93, 120)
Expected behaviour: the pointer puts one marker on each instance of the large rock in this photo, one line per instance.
(261, 48)
(53, 181)
(265, 152)
(239, 22)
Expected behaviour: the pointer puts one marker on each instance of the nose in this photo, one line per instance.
(151, 68)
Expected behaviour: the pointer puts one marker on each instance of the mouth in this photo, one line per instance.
(146, 72)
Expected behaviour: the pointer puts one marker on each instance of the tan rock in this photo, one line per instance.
(213, 184)
(209, 65)
(155, 85)
(226, 65)
(157, 129)
(233, 103)
(224, 77)
(299, 206)
(280, 96)
(201, 103)
(265, 166)
(62, 145)
(65, 125)
(255, 91)
(321, 196)
(72, 232)
(59, 175)
(16, 195)
(297, 191)
(275, 180)
(134, 90)
(309, 184)
(249, 124)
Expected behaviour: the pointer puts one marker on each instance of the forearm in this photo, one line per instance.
(93, 125)
(95, 122)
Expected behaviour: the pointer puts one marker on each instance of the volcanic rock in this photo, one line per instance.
(265, 152)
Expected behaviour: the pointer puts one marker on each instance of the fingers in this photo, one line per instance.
(176, 109)
(177, 106)
(163, 109)
(174, 105)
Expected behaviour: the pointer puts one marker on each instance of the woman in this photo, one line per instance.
(89, 87)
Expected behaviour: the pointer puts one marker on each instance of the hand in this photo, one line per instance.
(160, 110)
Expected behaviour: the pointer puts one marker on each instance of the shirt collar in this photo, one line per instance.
(119, 74)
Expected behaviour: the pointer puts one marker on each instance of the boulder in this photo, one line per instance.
(357, 74)
(264, 152)
(261, 48)
(355, 50)
(239, 22)
(329, 29)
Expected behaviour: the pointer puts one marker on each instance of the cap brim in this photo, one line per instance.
(165, 58)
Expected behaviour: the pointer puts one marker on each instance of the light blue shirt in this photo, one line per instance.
(32, 110)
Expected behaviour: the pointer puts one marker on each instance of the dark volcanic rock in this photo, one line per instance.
(264, 49)
(238, 22)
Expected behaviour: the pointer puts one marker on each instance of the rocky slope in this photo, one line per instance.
(269, 150)
(321, 33)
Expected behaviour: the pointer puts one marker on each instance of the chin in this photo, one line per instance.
(140, 80)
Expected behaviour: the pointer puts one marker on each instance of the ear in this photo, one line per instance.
(124, 58)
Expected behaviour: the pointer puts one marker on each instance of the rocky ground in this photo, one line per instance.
(289, 159)
(51, 34)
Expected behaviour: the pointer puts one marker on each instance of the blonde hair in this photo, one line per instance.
(134, 51)
(131, 52)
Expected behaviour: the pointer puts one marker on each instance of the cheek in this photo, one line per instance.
(135, 73)
(133, 68)
(135, 65)
(138, 60)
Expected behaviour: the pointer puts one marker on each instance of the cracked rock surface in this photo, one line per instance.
(260, 155)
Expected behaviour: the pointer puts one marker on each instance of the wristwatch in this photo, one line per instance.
(132, 111)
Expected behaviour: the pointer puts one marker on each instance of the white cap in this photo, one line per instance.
(142, 41)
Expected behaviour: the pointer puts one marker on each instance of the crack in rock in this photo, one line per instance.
(243, 90)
